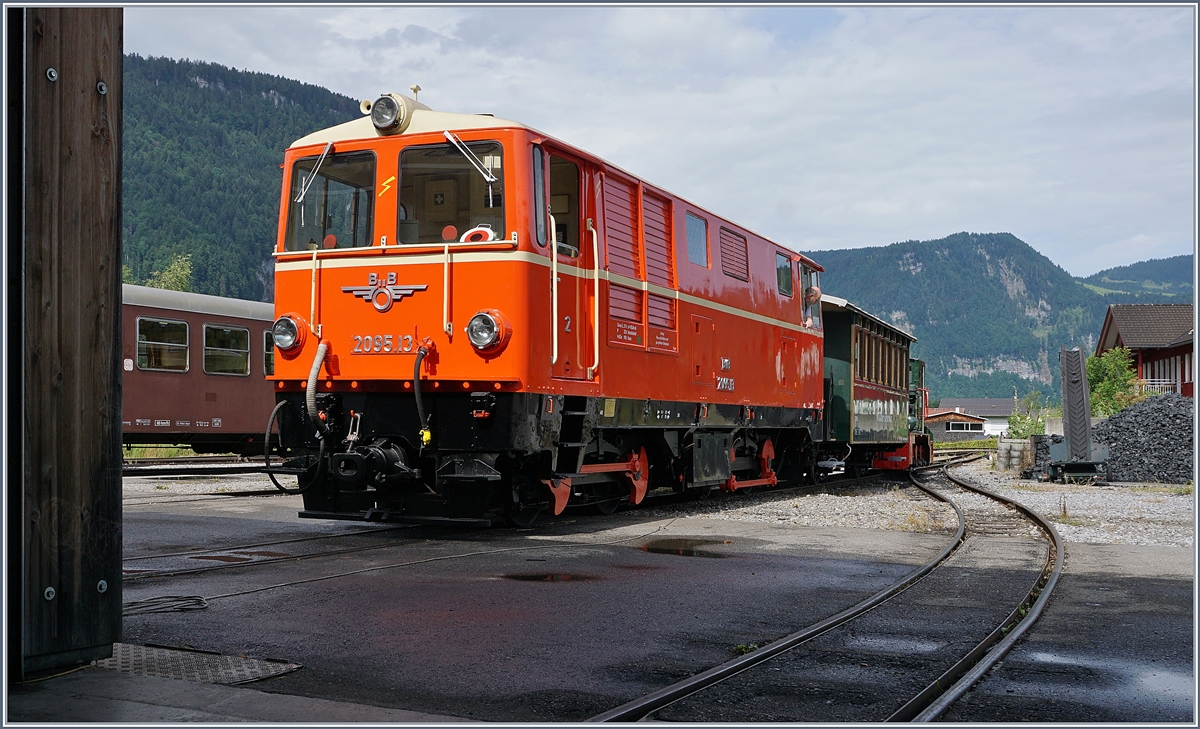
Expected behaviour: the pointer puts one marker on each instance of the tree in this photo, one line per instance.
(1028, 416)
(1112, 382)
(177, 276)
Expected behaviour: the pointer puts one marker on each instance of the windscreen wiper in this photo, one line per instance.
(475, 162)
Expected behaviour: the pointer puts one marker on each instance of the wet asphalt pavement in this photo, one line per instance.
(868, 668)
(1115, 644)
(577, 616)
(555, 623)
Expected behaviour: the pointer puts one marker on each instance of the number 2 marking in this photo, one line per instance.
(568, 323)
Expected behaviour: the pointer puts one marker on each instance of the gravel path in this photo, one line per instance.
(1128, 513)
(1147, 514)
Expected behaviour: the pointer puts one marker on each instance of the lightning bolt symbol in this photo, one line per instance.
(387, 185)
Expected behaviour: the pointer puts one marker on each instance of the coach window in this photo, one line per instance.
(697, 239)
(268, 353)
(783, 274)
(162, 345)
(332, 202)
(452, 190)
(226, 350)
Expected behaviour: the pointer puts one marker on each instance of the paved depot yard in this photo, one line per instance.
(580, 614)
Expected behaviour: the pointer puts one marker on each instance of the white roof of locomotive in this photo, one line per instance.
(423, 119)
(195, 303)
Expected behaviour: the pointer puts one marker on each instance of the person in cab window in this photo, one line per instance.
(812, 307)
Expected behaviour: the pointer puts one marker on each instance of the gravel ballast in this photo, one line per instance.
(1144, 514)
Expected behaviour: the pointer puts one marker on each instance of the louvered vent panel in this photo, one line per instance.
(735, 261)
(662, 311)
(624, 303)
(660, 249)
(620, 226)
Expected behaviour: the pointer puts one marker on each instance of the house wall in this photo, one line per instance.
(939, 433)
(1175, 364)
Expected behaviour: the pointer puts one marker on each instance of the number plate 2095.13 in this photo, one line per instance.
(383, 344)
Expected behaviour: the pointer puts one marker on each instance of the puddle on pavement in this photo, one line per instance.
(684, 547)
(222, 558)
(549, 577)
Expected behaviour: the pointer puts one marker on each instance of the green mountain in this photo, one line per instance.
(203, 144)
(989, 312)
(202, 148)
(1158, 276)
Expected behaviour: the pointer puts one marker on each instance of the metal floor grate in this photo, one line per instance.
(188, 665)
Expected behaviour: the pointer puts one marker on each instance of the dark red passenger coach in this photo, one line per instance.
(194, 369)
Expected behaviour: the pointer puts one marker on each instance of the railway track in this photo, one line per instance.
(192, 466)
(887, 658)
(198, 561)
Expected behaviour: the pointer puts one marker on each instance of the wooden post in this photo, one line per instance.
(64, 101)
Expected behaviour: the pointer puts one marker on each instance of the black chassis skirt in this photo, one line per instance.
(515, 425)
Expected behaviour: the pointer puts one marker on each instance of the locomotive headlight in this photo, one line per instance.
(488, 331)
(286, 333)
(385, 114)
(483, 330)
(391, 113)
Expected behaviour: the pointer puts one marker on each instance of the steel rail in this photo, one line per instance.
(640, 707)
(202, 469)
(932, 702)
(169, 460)
(184, 571)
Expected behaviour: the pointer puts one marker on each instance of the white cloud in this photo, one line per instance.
(1070, 127)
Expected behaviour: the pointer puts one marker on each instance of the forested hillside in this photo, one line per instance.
(203, 144)
(1170, 276)
(202, 149)
(989, 312)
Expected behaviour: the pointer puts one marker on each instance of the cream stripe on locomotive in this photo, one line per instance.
(419, 259)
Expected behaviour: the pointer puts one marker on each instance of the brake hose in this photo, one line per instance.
(425, 435)
(310, 392)
(301, 487)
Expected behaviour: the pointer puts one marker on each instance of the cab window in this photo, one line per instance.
(783, 274)
(564, 205)
(331, 202)
(697, 239)
(450, 193)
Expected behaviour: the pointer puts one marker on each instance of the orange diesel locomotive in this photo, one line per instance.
(476, 322)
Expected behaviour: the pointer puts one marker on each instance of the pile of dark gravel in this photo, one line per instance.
(1041, 456)
(1150, 441)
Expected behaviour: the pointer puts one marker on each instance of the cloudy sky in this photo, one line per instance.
(1072, 128)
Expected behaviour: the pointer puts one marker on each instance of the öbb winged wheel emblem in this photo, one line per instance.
(382, 294)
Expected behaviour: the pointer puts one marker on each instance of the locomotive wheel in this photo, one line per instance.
(524, 507)
(523, 517)
(811, 475)
(608, 507)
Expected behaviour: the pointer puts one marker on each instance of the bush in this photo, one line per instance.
(1028, 417)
